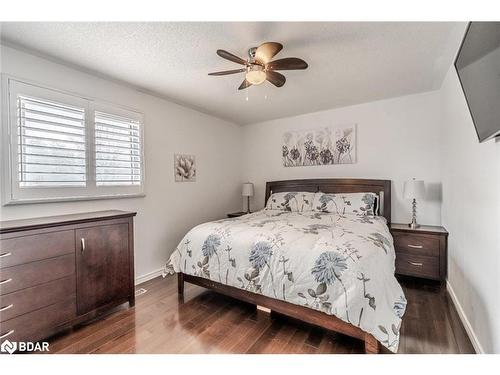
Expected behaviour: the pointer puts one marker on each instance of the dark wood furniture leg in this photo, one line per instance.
(371, 344)
(180, 284)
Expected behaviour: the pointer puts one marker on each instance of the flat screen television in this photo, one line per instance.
(478, 68)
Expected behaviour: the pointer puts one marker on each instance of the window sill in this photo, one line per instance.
(13, 202)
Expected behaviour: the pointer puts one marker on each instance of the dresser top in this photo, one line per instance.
(421, 228)
(51, 221)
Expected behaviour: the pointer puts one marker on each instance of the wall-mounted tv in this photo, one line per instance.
(478, 67)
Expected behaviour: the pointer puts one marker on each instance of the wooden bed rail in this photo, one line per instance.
(302, 313)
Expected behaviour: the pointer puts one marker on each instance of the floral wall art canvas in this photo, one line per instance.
(323, 146)
(184, 167)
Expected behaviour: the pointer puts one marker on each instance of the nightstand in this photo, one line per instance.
(237, 214)
(421, 252)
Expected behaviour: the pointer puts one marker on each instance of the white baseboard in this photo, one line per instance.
(470, 332)
(148, 276)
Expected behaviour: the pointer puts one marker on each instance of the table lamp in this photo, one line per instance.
(247, 191)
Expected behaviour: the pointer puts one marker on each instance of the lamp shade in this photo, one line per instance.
(414, 189)
(247, 190)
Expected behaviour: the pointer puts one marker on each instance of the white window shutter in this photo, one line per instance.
(51, 144)
(117, 150)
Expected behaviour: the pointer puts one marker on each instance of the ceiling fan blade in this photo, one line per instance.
(226, 72)
(267, 51)
(277, 79)
(229, 56)
(288, 63)
(244, 85)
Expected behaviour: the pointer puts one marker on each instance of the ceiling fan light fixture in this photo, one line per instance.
(260, 66)
(255, 74)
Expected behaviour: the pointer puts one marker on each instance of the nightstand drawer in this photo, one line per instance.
(416, 243)
(417, 265)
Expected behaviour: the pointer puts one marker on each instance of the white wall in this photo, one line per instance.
(397, 139)
(169, 209)
(471, 213)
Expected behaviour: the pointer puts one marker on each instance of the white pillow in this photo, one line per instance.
(360, 204)
(294, 201)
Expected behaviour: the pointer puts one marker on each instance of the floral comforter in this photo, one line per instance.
(342, 265)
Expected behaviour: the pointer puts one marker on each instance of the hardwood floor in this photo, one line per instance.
(210, 323)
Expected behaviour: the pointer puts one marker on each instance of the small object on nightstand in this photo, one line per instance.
(236, 214)
(247, 191)
(420, 252)
(414, 189)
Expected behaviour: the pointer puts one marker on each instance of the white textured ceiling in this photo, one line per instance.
(349, 62)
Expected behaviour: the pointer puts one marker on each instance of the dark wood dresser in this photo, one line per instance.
(421, 252)
(58, 271)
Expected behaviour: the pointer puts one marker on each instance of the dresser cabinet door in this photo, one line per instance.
(102, 265)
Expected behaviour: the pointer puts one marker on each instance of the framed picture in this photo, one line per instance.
(323, 146)
(184, 168)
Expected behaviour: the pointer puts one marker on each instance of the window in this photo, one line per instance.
(64, 147)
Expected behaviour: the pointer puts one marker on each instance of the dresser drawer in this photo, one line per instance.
(40, 323)
(416, 243)
(25, 249)
(30, 274)
(417, 265)
(31, 299)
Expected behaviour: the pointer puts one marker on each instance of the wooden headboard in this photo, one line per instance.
(338, 185)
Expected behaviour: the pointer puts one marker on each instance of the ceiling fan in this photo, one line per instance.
(259, 67)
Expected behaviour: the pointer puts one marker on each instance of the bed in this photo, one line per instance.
(330, 269)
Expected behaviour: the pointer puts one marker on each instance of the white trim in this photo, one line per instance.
(73, 199)
(148, 276)
(463, 318)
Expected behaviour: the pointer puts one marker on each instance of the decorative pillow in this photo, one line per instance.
(347, 203)
(295, 201)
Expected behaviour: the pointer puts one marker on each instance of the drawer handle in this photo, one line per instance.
(82, 241)
(416, 246)
(3, 255)
(6, 307)
(418, 264)
(5, 281)
(7, 334)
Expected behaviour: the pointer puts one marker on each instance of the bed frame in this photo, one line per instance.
(332, 185)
